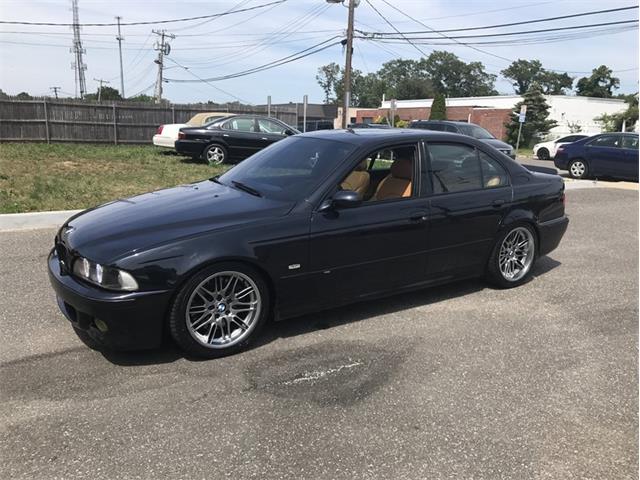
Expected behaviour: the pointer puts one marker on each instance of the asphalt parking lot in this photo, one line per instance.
(460, 381)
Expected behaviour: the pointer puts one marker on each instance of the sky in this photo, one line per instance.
(35, 58)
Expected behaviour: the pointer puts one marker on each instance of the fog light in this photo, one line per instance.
(102, 326)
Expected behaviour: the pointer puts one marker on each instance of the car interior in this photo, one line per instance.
(384, 175)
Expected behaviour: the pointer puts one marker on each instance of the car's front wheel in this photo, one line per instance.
(578, 168)
(220, 310)
(543, 154)
(215, 154)
(512, 257)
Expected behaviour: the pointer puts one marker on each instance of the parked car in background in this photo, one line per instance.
(547, 150)
(231, 138)
(316, 221)
(606, 155)
(166, 135)
(468, 129)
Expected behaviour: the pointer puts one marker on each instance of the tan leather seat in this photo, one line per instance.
(398, 183)
(358, 180)
(492, 182)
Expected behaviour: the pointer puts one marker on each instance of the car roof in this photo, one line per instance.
(360, 136)
(199, 117)
(452, 122)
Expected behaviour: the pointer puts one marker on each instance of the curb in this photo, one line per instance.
(33, 220)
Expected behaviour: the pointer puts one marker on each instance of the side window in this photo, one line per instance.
(630, 142)
(493, 174)
(566, 139)
(384, 175)
(605, 141)
(211, 119)
(454, 168)
(240, 124)
(269, 126)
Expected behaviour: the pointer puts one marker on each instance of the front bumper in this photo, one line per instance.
(551, 233)
(133, 320)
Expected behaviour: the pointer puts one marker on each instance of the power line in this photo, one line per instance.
(539, 20)
(398, 31)
(276, 63)
(175, 20)
(209, 83)
(506, 34)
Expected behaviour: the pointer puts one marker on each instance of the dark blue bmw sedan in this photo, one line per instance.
(605, 155)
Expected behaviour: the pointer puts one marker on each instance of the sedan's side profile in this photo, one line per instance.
(606, 155)
(547, 150)
(314, 221)
(232, 138)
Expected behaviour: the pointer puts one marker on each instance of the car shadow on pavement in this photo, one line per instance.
(327, 319)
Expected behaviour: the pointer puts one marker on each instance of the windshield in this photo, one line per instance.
(290, 169)
(475, 132)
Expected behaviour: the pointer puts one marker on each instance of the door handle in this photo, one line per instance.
(419, 217)
(498, 203)
(264, 138)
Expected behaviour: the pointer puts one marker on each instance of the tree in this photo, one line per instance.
(600, 83)
(141, 98)
(438, 108)
(3, 94)
(537, 121)
(104, 93)
(370, 89)
(328, 76)
(24, 96)
(523, 73)
(614, 122)
(455, 78)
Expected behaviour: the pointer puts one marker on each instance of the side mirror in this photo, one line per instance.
(289, 132)
(342, 199)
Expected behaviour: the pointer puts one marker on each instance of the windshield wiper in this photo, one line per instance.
(246, 188)
(216, 179)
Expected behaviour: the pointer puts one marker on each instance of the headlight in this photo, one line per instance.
(105, 277)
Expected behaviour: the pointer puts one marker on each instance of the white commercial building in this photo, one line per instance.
(567, 110)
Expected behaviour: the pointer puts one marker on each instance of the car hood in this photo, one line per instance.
(495, 143)
(127, 226)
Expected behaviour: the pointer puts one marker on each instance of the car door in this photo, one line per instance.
(471, 193)
(241, 136)
(606, 156)
(375, 247)
(270, 131)
(630, 147)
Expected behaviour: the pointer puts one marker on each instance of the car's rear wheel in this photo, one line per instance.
(512, 257)
(215, 154)
(578, 168)
(220, 310)
(543, 154)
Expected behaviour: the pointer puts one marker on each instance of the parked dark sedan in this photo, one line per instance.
(231, 139)
(464, 128)
(314, 221)
(606, 155)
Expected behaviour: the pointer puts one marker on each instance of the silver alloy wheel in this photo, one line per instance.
(516, 254)
(223, 309)
(215, 155)
(577, 169)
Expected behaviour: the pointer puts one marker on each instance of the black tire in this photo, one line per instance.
(578, 168)
(215, 154)
(182, 334)
(494, 274)
(543, 154)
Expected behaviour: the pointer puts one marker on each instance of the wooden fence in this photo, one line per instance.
(49, 120)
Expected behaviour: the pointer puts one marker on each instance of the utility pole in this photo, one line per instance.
(347, 65)
(55, 91)
(78, 51)
(163, 49)
(100, 81)
(120, 38)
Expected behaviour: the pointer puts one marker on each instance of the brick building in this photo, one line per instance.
(493, 112)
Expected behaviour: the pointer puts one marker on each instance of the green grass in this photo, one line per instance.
(40, 177)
